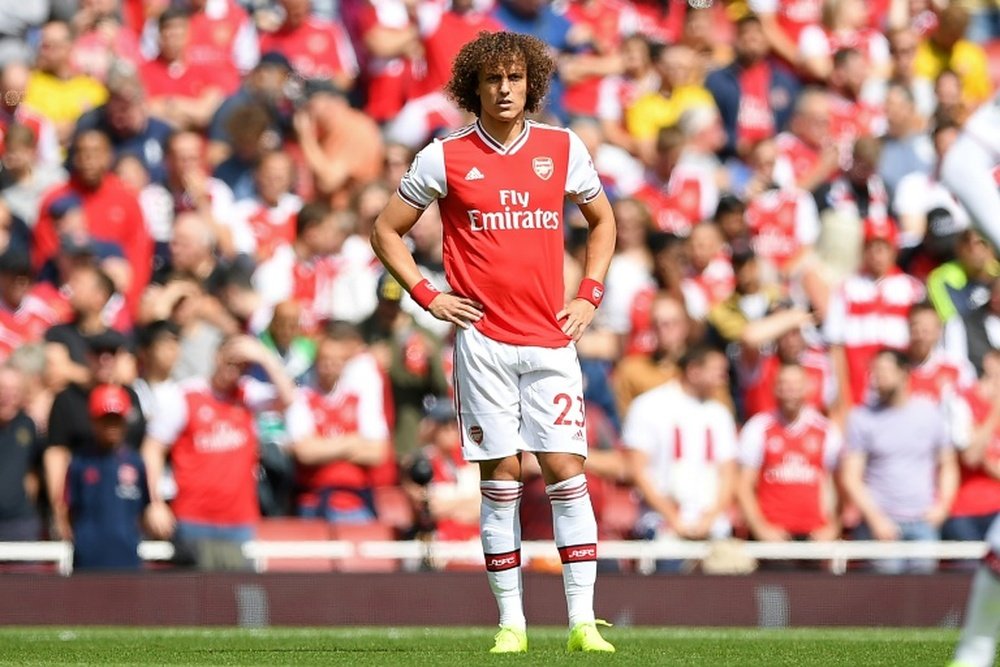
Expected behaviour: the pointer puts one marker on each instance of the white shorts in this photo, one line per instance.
(514, 398)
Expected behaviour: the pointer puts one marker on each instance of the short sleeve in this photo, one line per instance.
(583, 185)
(425, 180)
(171, 416)
(299, 419)
(832, 446)
(836, 313)
(942, 439)
(751, 451)
(363, 378)
(639, 430)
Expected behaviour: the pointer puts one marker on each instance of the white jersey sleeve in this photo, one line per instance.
(724, 433)
(425, 180)
(832, 446)
(299, 419)
(806, 220)
(641, 425)
(752, 442)
(363, 378)
(171, 415)
(583, 185)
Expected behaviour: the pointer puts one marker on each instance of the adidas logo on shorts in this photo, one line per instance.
(578, 435)
(474, 175)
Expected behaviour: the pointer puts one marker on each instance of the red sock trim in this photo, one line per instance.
(578, 553)
(505, 561)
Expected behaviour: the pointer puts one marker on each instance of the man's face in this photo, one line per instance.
(54, 47)
(91, 159)
(13, 288)
(173, 38)
(925, 332)
(86, 295)
(751, 45)
(887, 376)
(879, 257)
(103, 364)
(503, 91)
(903, 49)
(790, 389)
(164, 352)
(812, 122)
(974, 253)
(11, 394)
(184, 155)
(331, 359)
(229, 368)
(791, 345)
(109, 430)
(709, 377)
(670, 324)
(285, 323)
(274, 177)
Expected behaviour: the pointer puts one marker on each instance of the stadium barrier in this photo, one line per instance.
(644, 553)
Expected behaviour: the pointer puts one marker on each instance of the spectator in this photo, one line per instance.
(631, 267)
(342, 146)
(101, 38)
(388, 37)
(284, 337)
(411, 358)
(899, 468)
(710, 267)
(54, 90)
(934, 373)
(806, 156)
(24, 178)
(751, 300)
(640, 372)
(111, 210)
(206, 430)
(851, 118)
(906, 147)
(270, 213)
(787, 458)
(973, 335)
(184, 93)
(869, 312)
(785, 336)
(91, 294)
(158, 352)
(753, 95)
(338, 430)
(265, 89)
(975, 428)
(223, 37)
(619, 92)
(845, 23)
(946, 49)
(20, 462)
(106, 489)
(316, 48)
(251, 137)
(920, 191)
(14, 77)
(70, 429)
(783, 22)
(681, 451)
(27, 310)
(679, 91)
(962, 285)
(193, 188)
(903, 43)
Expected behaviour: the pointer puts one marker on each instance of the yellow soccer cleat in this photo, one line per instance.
(960, 664)
(585, 637)
(510, 640)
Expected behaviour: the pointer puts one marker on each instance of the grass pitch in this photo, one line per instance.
(466, 647)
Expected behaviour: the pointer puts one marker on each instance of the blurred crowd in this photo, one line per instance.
(801, 332)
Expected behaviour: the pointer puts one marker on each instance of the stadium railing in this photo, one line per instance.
(644, 553)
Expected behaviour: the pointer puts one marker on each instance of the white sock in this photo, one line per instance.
(978, 645)
(576, 536)
(500, 530)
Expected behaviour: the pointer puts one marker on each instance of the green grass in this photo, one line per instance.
(466, 647)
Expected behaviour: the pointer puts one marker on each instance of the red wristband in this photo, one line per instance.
(591, 290)
(423, 293)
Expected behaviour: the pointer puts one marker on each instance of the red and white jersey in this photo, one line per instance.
(782, 223)
(816, 41)
(757, 382)
(795, 160)
(271, 226)
(222, 36)
(793, 16)
(755, 118)
(47, 141)
(717, 280)
(213, 449)
(660, 22)
(41, 308)
(868, 314)
(390, 80)
(609, 21)
(850, 120)
(355, 406)
(316, 48)
(502, 211)
(180, 79)
(690, 195)
(641, 337)
(940, 375)
(793, 460)
(617, 93)
(978, 492)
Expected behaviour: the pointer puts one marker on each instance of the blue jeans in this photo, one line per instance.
(967, 528)
(194, 542)
(910, 531)
(331, 515)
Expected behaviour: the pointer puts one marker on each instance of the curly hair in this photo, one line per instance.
(500, 49)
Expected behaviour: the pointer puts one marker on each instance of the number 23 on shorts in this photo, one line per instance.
(565, 403)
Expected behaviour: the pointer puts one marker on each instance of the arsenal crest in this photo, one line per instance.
(543, 167)
(476, 434)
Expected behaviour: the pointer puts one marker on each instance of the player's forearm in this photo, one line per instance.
(391, 250)
(601, 240)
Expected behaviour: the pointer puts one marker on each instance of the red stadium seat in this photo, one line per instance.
(393, 508)
(620, 512)
(364, 532)
(297, 530)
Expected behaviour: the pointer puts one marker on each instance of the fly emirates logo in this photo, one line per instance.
(516, 213)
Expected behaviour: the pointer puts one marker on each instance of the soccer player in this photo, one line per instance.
(500, 184)
(969, 171)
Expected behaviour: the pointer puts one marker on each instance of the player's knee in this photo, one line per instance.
(507, 469)
(559, 466)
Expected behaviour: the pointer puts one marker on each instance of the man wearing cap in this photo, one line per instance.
(338, 430)
(71, 429)
(410, 355)
(869, 311)
(106, 488)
